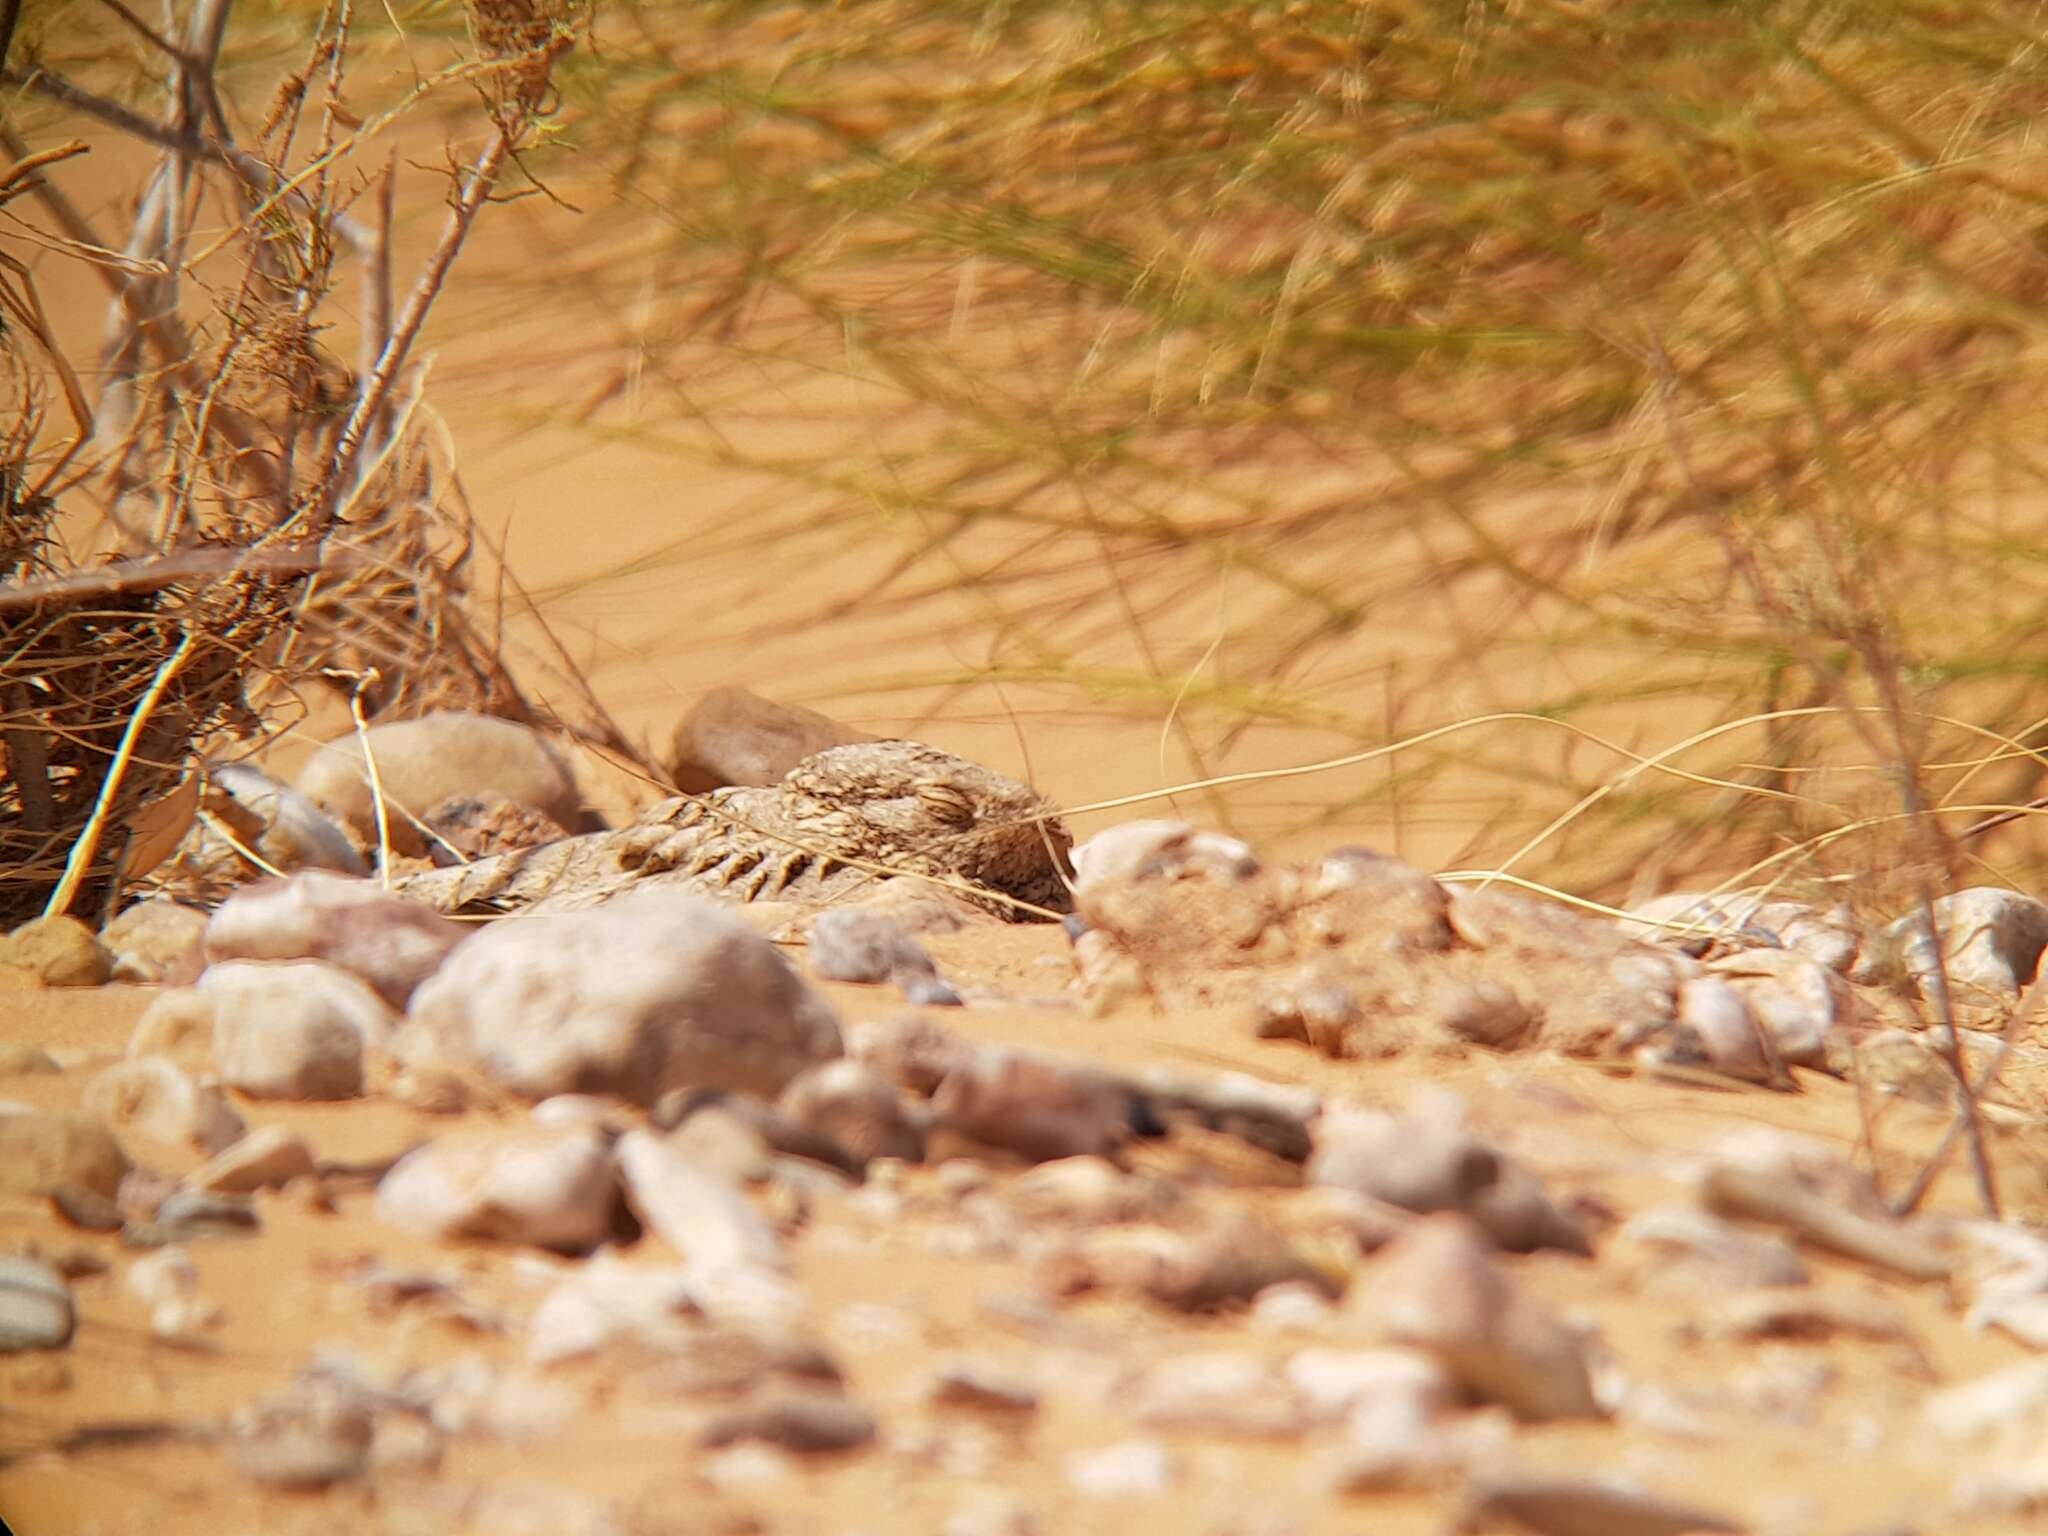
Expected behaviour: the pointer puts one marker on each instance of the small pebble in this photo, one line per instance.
(979, 1384)
(1128, 1469)
(35, 1306)
(801, 1421)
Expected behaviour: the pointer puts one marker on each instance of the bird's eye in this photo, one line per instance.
(945, 803)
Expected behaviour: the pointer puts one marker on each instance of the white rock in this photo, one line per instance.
(1292, 1306)
(152, 1097)
(2011, 1400)
(1730, 1255)
(1798, 1001)
(167, 1282)
(1386, 1449)
(1333, 1382)
(576, 1109)
(156, 940)
(1427, 1161)
(603, 1300)
(649, 992)
(353, 925)
(547, 1186)
(35, 1306)
(471, 1396)
(731, 1256)
(1221, 1390)
(311, 1436)
(255, 994)
(1991, 941)
(1128, 1469)
(292, 1031)
(1729, 1034)
(1438, 1289)
(438, 757)
(269, 1157)
(178, 1024)
(2007, 1278)
(1089, 1191)
(1139, 850)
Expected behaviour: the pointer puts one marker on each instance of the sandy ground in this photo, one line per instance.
(1830, 1442)
(1803, 1436)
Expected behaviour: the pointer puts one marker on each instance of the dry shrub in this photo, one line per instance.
(270, 519)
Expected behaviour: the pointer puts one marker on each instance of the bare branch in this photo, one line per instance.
(377, 387)
(155, 572)
(377, 272)
(149, 33)
(258, 176)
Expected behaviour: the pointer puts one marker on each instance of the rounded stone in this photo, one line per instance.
(35, 1306)
(60, 950)
(40, 1151)
(439, 757)
(646, 993)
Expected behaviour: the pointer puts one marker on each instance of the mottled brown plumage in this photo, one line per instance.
(841, 821)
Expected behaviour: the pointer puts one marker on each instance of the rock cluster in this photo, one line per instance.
(656, 1189)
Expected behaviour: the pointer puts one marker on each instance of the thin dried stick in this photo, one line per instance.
(190, 145)
(10, 184)
(226, 834)
(150, 573)
(378, 809)
(1923, 1181)
(370, 399)
(376, 262)
(88, 843)
(1968, 1116)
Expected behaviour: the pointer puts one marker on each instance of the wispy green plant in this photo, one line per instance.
(1649, 366)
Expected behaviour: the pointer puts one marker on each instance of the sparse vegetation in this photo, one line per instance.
(1648, 367)
(1665, 373)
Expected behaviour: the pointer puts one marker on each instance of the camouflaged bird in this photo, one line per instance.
(839, 823)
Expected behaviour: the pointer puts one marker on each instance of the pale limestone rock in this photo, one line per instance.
(649, 992)
(440, 756)
(177, 1025)
(1991, 942)
(603, 1300)
(732, 1259)
(1438, 1289)
(1217, 1390)
(353, 925)
(1797, 1001)
(292, 1031)
(1137, 850)
(1427, 1160)
(152, 1097)
(157, 940)
(269, 1157)
(35, 1306)
(167, 1282)
(546, 1186)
